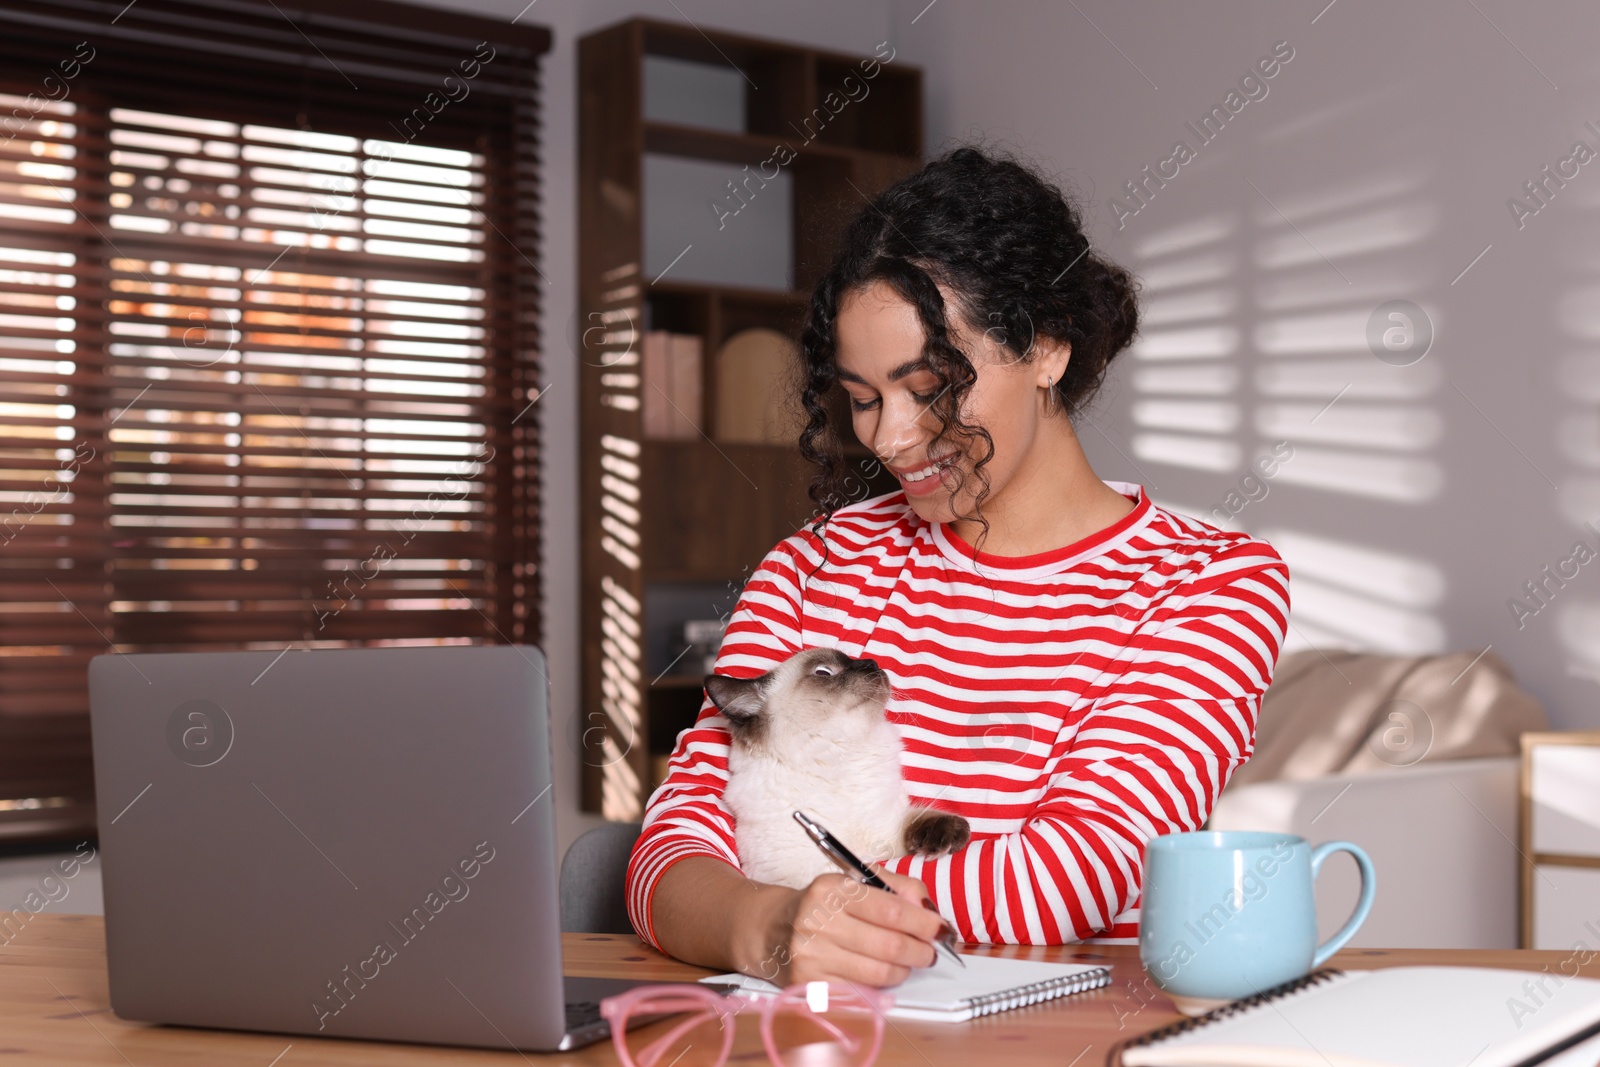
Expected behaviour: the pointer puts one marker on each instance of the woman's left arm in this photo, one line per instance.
(1148, 758)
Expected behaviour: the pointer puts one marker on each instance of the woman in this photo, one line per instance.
(1075, 670)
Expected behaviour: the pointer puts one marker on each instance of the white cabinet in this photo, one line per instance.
(1561, 840)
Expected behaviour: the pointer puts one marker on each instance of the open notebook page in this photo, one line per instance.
(947, 992)
(1401, 1016)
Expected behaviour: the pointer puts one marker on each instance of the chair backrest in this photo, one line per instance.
(593, 900)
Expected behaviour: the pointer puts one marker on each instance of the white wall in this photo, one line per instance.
(844, 25)
(1376, 168)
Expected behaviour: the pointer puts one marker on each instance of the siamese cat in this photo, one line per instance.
(812, 734)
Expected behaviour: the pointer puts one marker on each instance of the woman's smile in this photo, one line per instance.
(931, 478)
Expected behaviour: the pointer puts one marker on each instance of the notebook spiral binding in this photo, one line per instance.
(1294, 985)
(1034, 992)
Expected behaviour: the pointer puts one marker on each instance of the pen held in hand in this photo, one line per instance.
(846, 861)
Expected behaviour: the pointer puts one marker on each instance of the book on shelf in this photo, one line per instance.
(659, 768)
(671, 389)
(703, 637)
(755, 373)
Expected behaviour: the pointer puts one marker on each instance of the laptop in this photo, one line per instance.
(342, 843)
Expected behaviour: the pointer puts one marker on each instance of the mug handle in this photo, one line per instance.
(1369, 886)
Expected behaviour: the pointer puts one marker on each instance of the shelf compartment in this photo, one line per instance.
(679, 310)
(709, 508)
(706, 512)
(777, 78)
(887, 118)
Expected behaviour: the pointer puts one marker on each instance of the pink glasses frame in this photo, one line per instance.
(701, 1000)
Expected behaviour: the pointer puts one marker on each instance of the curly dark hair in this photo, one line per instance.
(1010, 247)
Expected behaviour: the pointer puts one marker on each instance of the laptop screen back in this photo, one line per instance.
(350, 842)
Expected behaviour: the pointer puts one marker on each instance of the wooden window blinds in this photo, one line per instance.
(269, 318)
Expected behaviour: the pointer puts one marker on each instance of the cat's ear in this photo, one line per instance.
(740, 700)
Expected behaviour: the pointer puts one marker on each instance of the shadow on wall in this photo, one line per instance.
(1577, 313)
(1273, 345)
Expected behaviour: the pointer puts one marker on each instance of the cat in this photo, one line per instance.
(812, 734)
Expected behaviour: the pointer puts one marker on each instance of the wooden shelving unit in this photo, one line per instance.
(663, 516)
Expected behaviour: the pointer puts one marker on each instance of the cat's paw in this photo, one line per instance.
(931, 833)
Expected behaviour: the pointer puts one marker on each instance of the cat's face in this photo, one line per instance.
(815, 692)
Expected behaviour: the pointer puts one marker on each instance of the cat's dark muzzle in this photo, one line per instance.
(868, 679)
(863, 666)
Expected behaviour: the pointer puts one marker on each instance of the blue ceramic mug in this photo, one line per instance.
(1228, 914)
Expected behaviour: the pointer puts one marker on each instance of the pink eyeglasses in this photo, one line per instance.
(811, 1023)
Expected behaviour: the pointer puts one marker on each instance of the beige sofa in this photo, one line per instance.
(1412, 758)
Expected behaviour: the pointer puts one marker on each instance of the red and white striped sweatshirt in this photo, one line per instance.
(1071, 704)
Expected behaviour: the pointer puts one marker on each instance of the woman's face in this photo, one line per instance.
(893, 390)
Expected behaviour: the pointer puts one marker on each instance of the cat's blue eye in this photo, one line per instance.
(825, 672)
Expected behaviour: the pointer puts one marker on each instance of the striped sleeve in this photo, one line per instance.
(686, 816)
(1148, 757)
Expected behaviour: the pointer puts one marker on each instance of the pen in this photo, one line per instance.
(846, 861)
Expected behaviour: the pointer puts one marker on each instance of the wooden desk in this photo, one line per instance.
(53, 1010)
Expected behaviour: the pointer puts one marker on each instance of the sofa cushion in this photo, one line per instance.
(1340, 712)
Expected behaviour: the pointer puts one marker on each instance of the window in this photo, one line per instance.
(268, 346)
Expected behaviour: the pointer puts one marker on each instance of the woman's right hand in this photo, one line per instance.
(838, 929)
(704, 911)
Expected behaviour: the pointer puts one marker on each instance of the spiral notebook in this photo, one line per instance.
(1394, 1017)
(946, 993)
